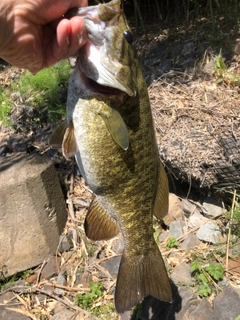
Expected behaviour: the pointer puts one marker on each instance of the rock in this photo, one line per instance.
(203, 311)
(61, 280)
(196, 220)
(188, 208)
(189, 302)
(188, 48)
(227, 304)
(33, 211)
(163, 236)
(165, 66)
(50, 268)
(65, 244)
(64, 314)
(118, 246)
(154, 309)
(210, 232)
(6, 314)
(190, 242)
(177, 228)
(188, 64)
(212, 207)
(182, 274)
(111, 265)
(126, 315)
(175, 211)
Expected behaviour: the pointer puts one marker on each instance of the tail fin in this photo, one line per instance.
(139, 277)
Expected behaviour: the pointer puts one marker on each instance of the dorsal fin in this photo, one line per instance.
(160, 208)
(99, 225)
(116, 127)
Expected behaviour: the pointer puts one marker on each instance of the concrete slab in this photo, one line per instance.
(32, 211)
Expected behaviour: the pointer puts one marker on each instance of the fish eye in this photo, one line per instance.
(128, 36)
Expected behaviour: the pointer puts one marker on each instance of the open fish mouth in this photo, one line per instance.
(104, 64)
(95, 86)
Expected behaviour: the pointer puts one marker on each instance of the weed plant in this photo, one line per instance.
(206, 276)
(43, 90)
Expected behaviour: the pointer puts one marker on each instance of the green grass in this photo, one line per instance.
(5, 107)
(42, 91)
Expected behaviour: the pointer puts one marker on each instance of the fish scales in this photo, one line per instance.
(109, 128)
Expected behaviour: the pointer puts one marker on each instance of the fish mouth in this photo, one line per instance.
(96, 77)
(102, 89)
(94, 87)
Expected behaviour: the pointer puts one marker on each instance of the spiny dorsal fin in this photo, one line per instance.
(56, 138)
(160, 208)
(99, 225)
(117, 128)
(140, 276)
(69, 145)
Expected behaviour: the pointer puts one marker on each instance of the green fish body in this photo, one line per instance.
(109, 128)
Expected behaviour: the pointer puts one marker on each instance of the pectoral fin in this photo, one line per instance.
(69, 145)
(116, 127)
(160, 208)
(99, 225)
(63, 136)
(56, 138)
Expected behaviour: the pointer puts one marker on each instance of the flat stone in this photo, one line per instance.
(163, 236)
(210, 232)
(175, 211)
(177, 228)
(188, 208)
(112, 265)
(196, 220)
(51, 268)
(118, 246)
(182, 274)
(61, 280)
(64, 314)
(203, 311)
(32, 211)
(190, 242)
(154, 309)
(227, 304)
(189, 303)
(6, 314)
(212, 207)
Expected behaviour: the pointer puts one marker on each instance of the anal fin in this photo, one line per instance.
(99, 225)
(160, 208)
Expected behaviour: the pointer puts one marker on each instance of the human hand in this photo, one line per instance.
(34, 35)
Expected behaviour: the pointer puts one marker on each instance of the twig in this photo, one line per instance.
(230, 228)
(26, 289)
(40, 271)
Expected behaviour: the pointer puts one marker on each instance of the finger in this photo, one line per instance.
(70, 35)
(78, 35)
(58, 8)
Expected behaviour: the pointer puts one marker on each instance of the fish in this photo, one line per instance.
(109, 129)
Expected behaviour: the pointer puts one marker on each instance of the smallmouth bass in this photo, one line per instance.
(109, 129)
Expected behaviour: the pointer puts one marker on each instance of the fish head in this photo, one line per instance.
(106, 62)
